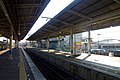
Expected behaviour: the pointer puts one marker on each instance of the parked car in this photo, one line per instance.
(117, 53)
(94, 51)
(99, 51)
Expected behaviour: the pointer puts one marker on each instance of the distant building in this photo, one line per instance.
(65, 42)
(108, 44)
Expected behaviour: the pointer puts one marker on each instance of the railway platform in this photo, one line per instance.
(9, 68)
(31, 23)
(19, 67)
(3, 51)
(100, 66)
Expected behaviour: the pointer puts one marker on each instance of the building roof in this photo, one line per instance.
(80, 16)
(21, 14)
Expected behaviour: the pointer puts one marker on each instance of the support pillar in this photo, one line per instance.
(7, 44)
(16, 43)
(59, 43)
(39, 44)
(71, 42)
(89, 41)
(48, 44)
(11, 38)
(75, 44)
(32, 43)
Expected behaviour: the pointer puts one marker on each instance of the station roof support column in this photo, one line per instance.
(71, 42)
(11, 38)
(59, 43)
(75, 43)
(48, 44)
(39, 43)
(7, 16)
(89, 41)
(16, 43)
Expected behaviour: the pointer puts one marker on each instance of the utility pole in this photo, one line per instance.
(98, 40)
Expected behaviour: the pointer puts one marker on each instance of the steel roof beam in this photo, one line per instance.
(26, 17)
(7, 15)
(59, 21)
(103, 18)
(27, 5)
(79, 14)
(2, 19)
(51, 26)
(42, 34)
(66, 23)
(46, 30)
(3, 23)
(26, 23)
(1, 26)
(4, 28)
(118, 1)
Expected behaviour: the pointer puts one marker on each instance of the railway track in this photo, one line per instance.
(50, 71)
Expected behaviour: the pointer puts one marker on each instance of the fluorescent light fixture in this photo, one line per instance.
(52, 9)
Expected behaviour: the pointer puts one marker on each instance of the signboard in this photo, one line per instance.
(78, 45)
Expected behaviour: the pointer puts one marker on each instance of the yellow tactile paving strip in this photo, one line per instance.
(3, 51)
(22, 72)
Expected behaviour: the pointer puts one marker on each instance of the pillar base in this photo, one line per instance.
(10, 57)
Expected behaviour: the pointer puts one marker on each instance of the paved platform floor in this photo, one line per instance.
(9, 69)
(107, 63)
(17, 67)
(3, 51)
(101, 59)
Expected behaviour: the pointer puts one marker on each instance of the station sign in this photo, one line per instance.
(78, 45)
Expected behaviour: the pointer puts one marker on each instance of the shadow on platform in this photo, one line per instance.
(9, 69)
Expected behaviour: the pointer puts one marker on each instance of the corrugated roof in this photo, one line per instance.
(23, 14)
(81, 15)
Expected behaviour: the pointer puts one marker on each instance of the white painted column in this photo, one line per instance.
(89, 41)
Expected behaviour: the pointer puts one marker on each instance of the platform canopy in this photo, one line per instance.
(80, 16)
(20, 15)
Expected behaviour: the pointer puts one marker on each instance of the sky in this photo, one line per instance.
(106, 33)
